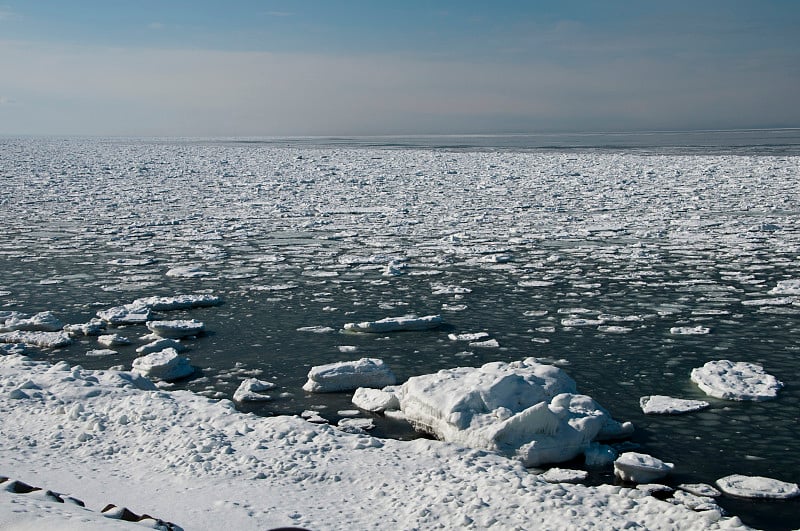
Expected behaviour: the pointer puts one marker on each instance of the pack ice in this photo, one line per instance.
(522, 409)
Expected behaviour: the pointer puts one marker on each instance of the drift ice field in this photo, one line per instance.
(246, 334)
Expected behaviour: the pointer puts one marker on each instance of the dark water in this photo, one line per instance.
(296, 235)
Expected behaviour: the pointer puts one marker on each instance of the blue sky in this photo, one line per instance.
(233, 68)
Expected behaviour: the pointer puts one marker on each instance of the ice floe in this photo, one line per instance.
(690, 330)
(521, 409)
(251, 390)
(37, 339)
(667, 405)
(176, 329)
(636, 467)
(349, 376)
(564, 475)
(164, 365)
(40, 322)
(161, 344)
(736, 380)
(757, 487)
(110, 340)
(786, 287)
(396, 324)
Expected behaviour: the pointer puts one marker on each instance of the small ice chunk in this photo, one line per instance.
(599, 455)
(357, 425)
(161, 344)
(94, 327)
(667, 405)
(127, 314)
(165, 365)
(250, 390)
(313, 416)
(489, 343)
(700, 489)
(579, 321)
(757, 487)
(189, 271)
(396, 324)
(316, 329)
(640, 468)
(564, 475)
(475, 336)
(348, 376)
(100, 352)
(375, 400)
(736, 381)
(178, 302)
(689, 330)
(113, 339)
(176, 329)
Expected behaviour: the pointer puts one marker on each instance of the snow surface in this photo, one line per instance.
(111, 437)
(736, 381)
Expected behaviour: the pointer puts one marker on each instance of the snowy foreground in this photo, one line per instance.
(108, 437)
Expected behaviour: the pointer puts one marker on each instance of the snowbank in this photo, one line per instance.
(524, 409)
(202, 465)
(348, 376)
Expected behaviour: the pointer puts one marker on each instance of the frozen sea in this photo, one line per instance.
(591, 251)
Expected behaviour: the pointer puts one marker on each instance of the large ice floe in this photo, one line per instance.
(164, 365)
(667, 405)
(758, 487)
(140, 310)
(523, 409)
(202, 465)
(736, 380)
(177, 328)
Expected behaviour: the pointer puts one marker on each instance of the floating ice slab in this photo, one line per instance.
(736, 381)
(375, 400)
(396, 324)
(689, 330)
(126, 314)
(41, 322)
(178, 302)
(700, 489)
(113, 339)
(94, 327)
(522, 409)
(189, 271)
(348, 376)
(786, 287)
(165, 365)
(176, 329)
(757, 487)
(38, 339)
(667, 405)
(640, 468)
(251, 389)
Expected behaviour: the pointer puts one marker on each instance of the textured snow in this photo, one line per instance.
(202, 465)
(667, 405)
(523, 409)
(736, 380)
(757, 487)
(349, 376)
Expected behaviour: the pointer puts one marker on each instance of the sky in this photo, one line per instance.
(316, 67)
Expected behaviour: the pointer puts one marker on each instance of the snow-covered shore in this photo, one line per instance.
(109, 437)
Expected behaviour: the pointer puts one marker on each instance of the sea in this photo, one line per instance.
(626, 259)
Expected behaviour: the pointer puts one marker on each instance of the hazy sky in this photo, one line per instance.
(238, 67)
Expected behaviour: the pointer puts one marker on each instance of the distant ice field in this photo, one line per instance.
(628, 268)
